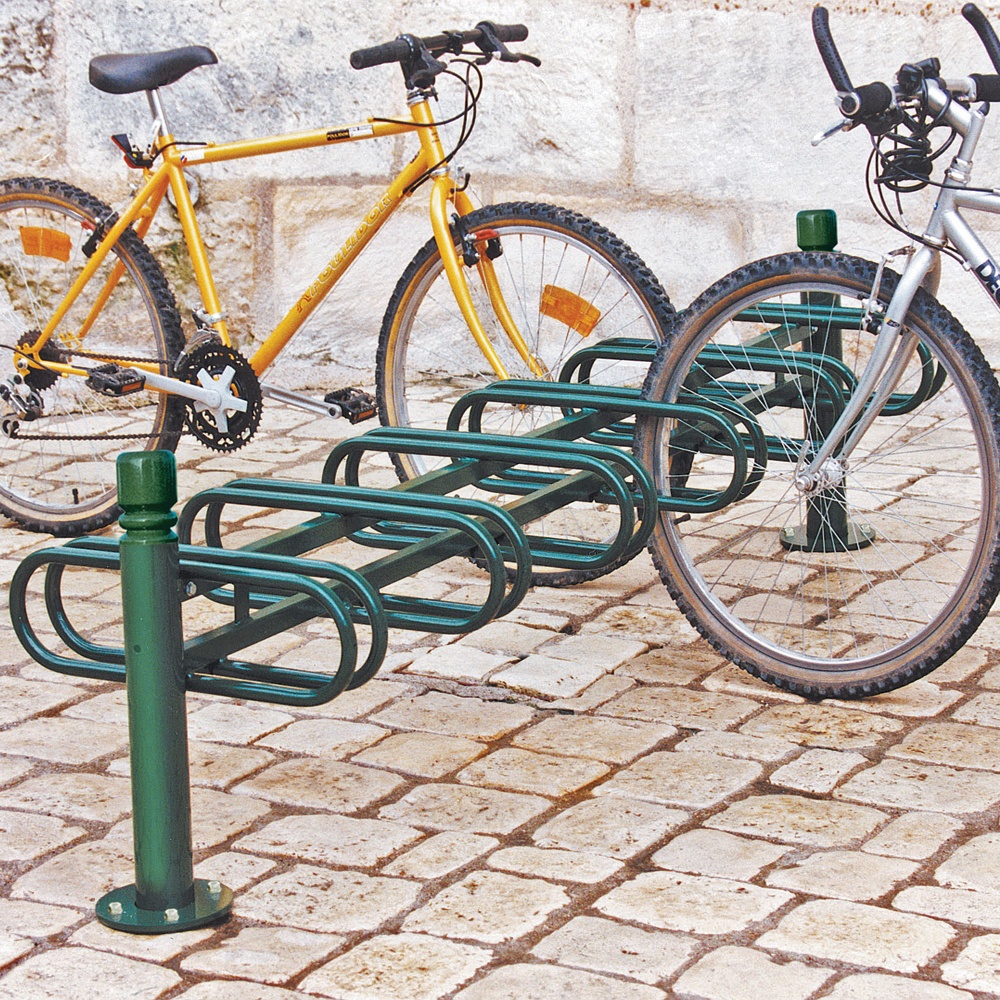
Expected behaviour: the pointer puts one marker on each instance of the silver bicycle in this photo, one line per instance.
(869, 549)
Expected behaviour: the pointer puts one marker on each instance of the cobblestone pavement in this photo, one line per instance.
(581, 800)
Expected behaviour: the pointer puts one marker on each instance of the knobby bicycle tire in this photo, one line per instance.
(555, 265)
(876, 579)
(57, 467)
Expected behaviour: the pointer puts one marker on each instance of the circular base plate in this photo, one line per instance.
(212, 902)
(859, 536)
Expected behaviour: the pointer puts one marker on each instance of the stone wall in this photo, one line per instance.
(682, 125)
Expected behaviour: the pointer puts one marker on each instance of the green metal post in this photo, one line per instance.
(165, 896)
(827, 527)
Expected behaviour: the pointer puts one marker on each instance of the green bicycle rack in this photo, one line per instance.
(275, 583)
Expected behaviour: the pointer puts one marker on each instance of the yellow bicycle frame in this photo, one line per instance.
(170, 173)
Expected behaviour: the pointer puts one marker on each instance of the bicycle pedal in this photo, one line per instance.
(112, 380)
(354, 404)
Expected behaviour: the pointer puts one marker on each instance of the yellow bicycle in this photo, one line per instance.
(95, 358)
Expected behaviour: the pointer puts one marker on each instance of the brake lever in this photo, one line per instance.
(844, 125)
(492, 46)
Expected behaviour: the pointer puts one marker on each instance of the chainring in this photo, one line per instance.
(215, 358)
(41, 379)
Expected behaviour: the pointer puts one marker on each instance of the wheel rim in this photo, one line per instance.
(61, 466)
(777, 573)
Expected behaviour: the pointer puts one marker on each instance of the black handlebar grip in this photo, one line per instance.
(511, 32)
(984, 29)
(828, 51)
(987, 87)
(873, 99)
(379, 54)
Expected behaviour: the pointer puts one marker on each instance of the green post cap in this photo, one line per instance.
(147, 480)
(816, 229)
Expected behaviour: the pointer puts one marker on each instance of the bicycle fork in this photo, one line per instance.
(892, 352)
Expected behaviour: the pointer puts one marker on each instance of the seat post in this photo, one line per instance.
(156, 108)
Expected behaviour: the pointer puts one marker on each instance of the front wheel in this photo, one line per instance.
(876, 577)
(59, 437)
(567, 282)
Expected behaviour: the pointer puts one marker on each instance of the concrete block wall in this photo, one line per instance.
(683, 125)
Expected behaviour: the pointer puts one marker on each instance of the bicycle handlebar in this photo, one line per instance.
(402, 48)
(828, 51)
(984, 29)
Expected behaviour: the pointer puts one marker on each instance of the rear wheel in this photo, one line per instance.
(878, 576)
(59, 438)
(568, 284)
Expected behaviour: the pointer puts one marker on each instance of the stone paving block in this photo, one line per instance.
(93, 797)
(440, 854)
(918, 699)
(229, 989)
(329, 839)
(732, 679)
(977, 967)
(21, 918)
(27, 836)
(538, 773)
(711, 852)
(915, 835)
(326, 901)
(228, 722)
(983, 710)
(844, 875)
(692, 780)
(232, 869)
(611, 740)
(358, 702)
(631, 621)
(793, 819)
(315, 782)
(669, 665)
(264, 954)
(488, 906)
(427, 755)
(957, 906)
(80, 875)
(559, 866)
(159, 948)
(974, 865)
(905, 785)
(330, 738)
(540, 674)
(551, 982)
(729, 744)
(879, 986)
(693, 903)
(21, 699)
(732, 973)
(11, 769)
(508, 638)
(607, 946)
(12, 949)
(213, 765)
(818, 725)
(398, 967)
(681, 707)
(594, 695)
(950, 743)
(472, 718)
(817, 771)
(863, 935)
(610, 826)
(62, 740)
(465, 808)
(82, 972)
(458, 662)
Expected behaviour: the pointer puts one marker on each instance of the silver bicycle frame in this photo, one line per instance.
(893, 347)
